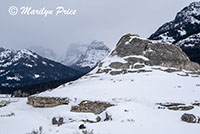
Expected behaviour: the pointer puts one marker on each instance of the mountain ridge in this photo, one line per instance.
(183, 31)
(23, 68)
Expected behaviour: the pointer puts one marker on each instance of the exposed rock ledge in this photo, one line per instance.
(95, 107)
(175, 106)
(45, 102)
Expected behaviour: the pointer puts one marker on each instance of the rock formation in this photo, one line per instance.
(190, 118)
(134, 52)
(47, 101)
(95, 107)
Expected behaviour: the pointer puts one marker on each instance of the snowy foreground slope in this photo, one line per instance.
(140, 94)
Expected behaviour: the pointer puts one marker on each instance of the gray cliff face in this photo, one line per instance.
(138, 53)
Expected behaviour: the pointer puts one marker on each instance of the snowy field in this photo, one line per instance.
(134, 95)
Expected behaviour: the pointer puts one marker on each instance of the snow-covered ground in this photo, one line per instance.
(135, 96)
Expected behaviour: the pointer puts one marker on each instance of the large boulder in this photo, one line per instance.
(44, 102)
(190, 118)
(95, 107)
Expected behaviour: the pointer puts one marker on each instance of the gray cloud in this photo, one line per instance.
(104, 20)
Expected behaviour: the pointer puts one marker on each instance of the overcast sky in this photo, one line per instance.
(104, 20)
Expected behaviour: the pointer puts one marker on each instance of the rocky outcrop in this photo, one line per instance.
(153, 53)
(134, 53)
(181, 108)
(175, 106)
(190, 118)
(95, 107)
(45, 102)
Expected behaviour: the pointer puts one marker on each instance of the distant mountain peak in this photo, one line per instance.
(86, 57)
(97, 45)
(95, 52)
(16, 55)
(186, 23)
(83, 57)
(26, 53)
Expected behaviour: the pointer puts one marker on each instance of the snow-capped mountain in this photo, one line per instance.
(142, 87)
(183, 31)
(86, 57)
(24, 68)
(82, 57)
(74, 53)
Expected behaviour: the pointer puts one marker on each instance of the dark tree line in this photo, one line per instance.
(24, 91)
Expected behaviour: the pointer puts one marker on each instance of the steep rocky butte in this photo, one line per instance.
(183, 31)
(133, 53)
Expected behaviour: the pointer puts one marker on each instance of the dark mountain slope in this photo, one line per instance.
(183, 31)
(23, 68)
